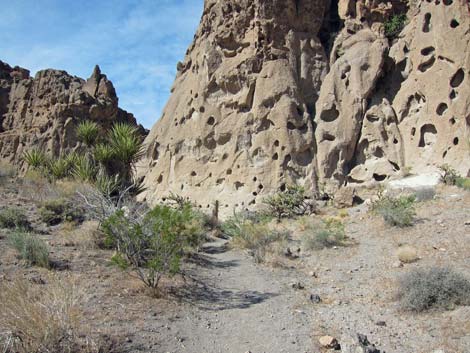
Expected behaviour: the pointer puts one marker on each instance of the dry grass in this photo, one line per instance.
(37, 318)
(85, 237)
(407, 254)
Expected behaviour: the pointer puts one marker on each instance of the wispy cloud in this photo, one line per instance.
(137, 43)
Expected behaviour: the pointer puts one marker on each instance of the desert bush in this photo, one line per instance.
(6, 171)
(288, 203)
(394, 25)
(258, 238)
(55, 211)
(399, 211)
(30, 248)
(43, 318)
(449, 175)
(463, 183)
(152, 245)
(326, 234)
(11, 217)
(435, 287)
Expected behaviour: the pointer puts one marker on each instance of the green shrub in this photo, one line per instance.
(31, 249)
(463, 183)
(53, 212)
(258, 238)
(85, 169)
(88, 132)
(288, 203)
(328, 233)
(7, 171)
(449, 175)
(398, 211)
(394, 25)
(153, 245)
(424, 289)
(11, 217)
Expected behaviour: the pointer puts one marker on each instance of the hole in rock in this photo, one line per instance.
(454, 24)
(379, 153)
(395, 166)
(426, 51)
(441, 109)
(428, 135)
(260, 186)
(444, 154)
(329, 115)
(255, 193)
(328, 137)
(447, 2)
(413, 131)
(211, 121)
(225, 156)
(229, 171)
(160, 179)
(193, 173)
(276, 143)
(426, 65)
(290, 126)
(379, 177)
(395, 141)
(453, 94)
(275, 157)
(452, 121)
(457, 79)
(202, 109)
(255, 178)
(427, 23)
(456, 141)
(282, 187)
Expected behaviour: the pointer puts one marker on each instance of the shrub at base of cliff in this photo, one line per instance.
(289, 203)
(440, 288)
(153, 246)
(327, 234)
(30, 249)
(56, 211)
(11, 217)
(394, 25)
(399, 212)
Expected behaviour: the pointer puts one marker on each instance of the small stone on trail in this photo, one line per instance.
(381, 323)
(328, 342)
(298, 285)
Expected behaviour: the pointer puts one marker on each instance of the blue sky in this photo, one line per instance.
(137, 43)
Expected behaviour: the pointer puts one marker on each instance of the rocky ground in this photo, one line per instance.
(227, 303)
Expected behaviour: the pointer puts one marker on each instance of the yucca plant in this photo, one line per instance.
(107, 185)
(85, 169)
(88, 132)
(35, 158)
(104, 154)
(126, 144)
(59, 168)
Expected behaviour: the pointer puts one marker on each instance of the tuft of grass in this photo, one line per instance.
(259, 239)
(449, 175)
(433, 288)
(44, 318)
(11, 217)
(6, 171)
(330, 232)
(398, 212)
(56, 211)
(463, 183)
(35, 158)
(30, 248)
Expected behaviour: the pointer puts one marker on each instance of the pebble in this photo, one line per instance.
(328, 342)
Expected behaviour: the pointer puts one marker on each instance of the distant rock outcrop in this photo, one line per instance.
(313, 92)
(42, 112)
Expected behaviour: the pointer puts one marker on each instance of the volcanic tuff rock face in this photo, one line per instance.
(265, 98)
(42, 112)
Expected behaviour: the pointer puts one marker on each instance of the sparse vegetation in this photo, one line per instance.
(450, 176)
(35, 158)
(258, 238)
(435, 287)
(55, 211)
(41, 319)
(153, 245)
(399, 211)
(30, 248)
(12, 217)
(289, 203)
(394, 25)
(326, 234)
(407, 254)
(6, 171)
(88, 132)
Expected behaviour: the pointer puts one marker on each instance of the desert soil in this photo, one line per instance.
(227, 303)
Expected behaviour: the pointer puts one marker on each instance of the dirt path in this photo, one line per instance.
(237, 306)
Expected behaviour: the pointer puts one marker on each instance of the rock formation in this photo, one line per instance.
(312, 92)
(42, 112)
